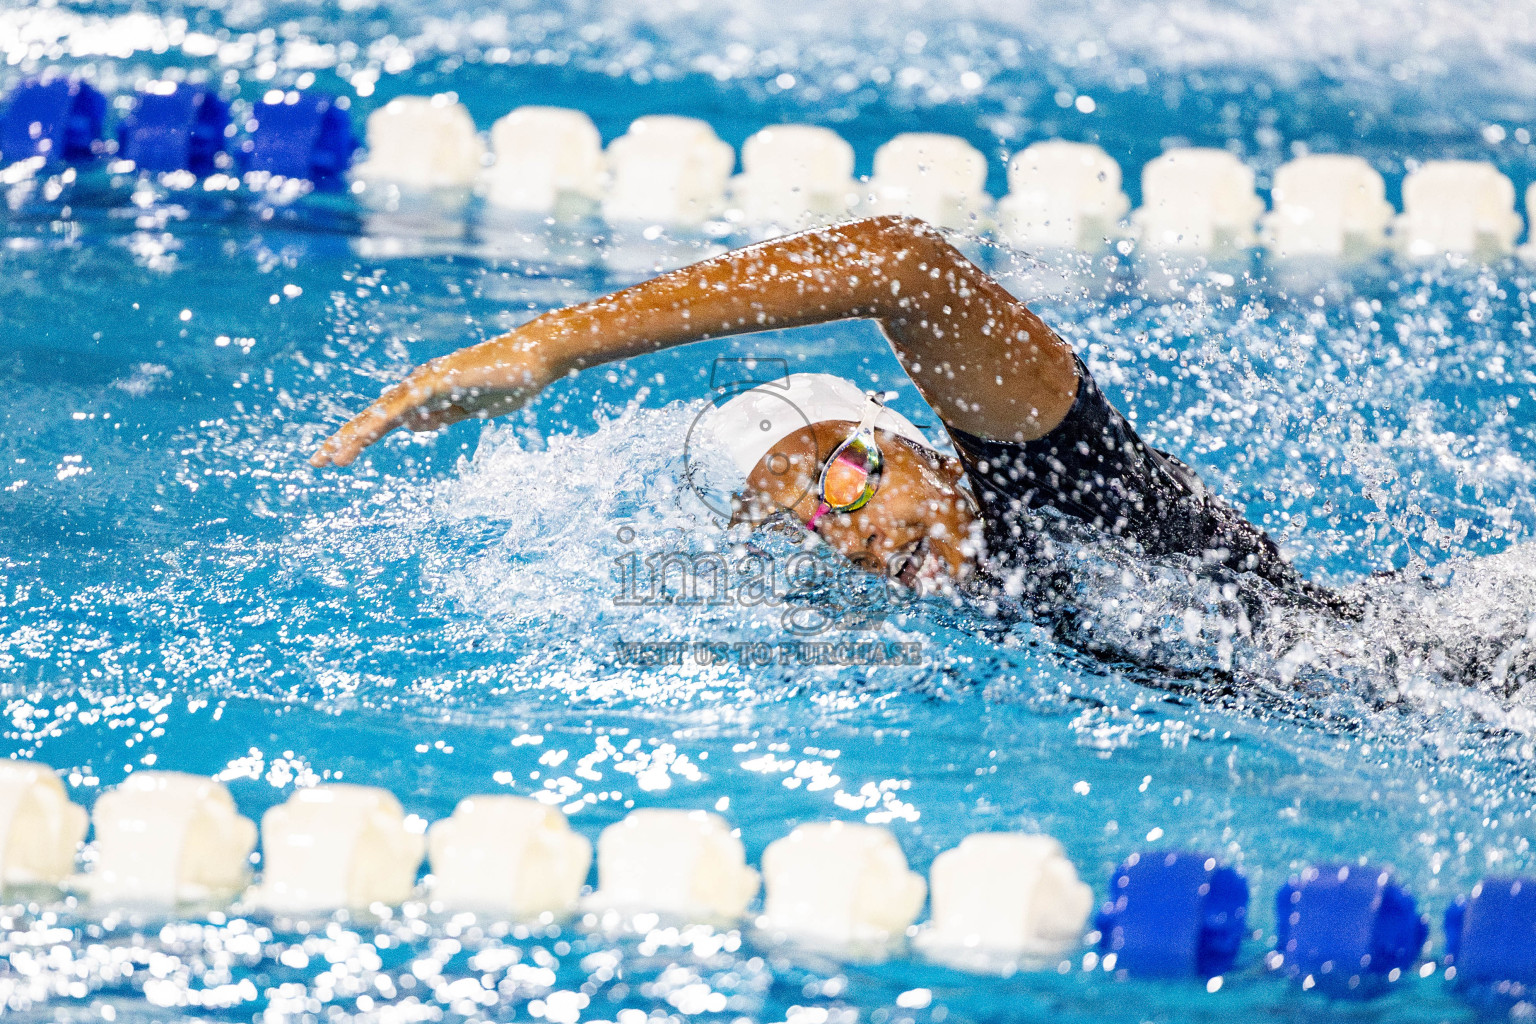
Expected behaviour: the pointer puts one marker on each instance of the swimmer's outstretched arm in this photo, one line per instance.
(980, 357)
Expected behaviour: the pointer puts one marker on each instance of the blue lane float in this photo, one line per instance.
(1490, 937)
(1346, 928)
(175, 127)
(1173, 915)
(304, 135)
(56, 119)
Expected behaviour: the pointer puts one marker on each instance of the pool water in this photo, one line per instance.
(178, 589)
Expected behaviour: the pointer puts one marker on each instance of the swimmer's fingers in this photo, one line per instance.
(417, 401)
(470, 382)
(427, 400)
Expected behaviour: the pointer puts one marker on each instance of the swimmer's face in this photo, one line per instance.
(920, 528)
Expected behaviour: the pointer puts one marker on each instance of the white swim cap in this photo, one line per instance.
(754, 421)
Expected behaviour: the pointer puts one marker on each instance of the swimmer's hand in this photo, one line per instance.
(479, 382)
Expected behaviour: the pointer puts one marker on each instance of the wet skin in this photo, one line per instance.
(921, 527)
(981, 358)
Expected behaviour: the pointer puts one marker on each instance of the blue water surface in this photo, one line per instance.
(178, 589)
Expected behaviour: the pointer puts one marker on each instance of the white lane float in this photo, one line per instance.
(1328, 205)
(683, 864)
(667, 170)
(337, 846)
(507, 854)
(1005, 893)
(169, 837)
(549, 161)
(836, 883)
(793, 173)
(1061, 195)
(40, 829)
(1465, 207)
(940, 178)
(1197, 200)
(1528, 250)
(422, 143)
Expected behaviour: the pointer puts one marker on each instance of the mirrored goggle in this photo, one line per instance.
(851, 475)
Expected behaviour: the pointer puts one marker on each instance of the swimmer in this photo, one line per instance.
(1037, 441)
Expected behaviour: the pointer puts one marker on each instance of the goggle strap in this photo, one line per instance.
(873, 407)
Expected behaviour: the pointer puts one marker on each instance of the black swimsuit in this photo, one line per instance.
(1093, 467)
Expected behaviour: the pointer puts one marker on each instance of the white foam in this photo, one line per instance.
(1457, 206)
(839, 883)
(792, 174)
(1061, 195)
(40, 830)
(686, 864)
(667, 170)
(1006, 892)
(423, 142)
(549, 160)
(939, 178)
(334, 846)
(1327, 205)
(164, 837)
(1196, 200)
(508, 853)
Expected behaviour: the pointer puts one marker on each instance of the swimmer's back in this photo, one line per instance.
(1094, 467)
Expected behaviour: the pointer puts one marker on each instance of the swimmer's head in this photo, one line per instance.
(751, 423)
(921, 526)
